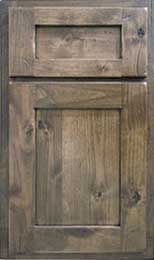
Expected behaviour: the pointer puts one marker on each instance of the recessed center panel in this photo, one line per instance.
(78, 42)
(77, 167)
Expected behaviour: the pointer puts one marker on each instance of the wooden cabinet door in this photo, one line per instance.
(78, 41)
(77, 168)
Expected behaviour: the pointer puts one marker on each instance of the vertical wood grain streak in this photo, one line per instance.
(3, 129)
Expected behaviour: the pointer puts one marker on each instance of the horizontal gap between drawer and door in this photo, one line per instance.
(74, 79)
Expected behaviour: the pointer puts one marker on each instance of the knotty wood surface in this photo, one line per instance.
(4, 123)
(130, 236)
(80, 43)
(132, 60)
(78, 167)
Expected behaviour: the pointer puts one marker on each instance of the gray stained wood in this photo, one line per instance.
(65, 3)
(148, 253)
(77, 167)
(150, 183)
(30, 56)
(131, 99)
(4, 196)
(78, 42)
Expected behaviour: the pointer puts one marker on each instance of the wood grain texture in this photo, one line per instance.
(118, 3)
(76, 240)
(132, 62)
(131, 27)
(78, 167)
(3, 130)
(78, 42)
(23, 100)
(22, 159)
(49, 176)
(21, 35)
(94, 239)
(79, 95)
(77, 68)
(134, 168)
(102, 3)
(150, 182)
(77, 16)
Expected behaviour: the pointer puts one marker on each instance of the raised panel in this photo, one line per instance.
(78, 42)
(78, 171)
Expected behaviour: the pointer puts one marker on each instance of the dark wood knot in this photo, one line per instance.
(40, 124)
(29, 130)
(141, 32)
(99, 195)
(136, 197)
(133, 199)
(102, 68)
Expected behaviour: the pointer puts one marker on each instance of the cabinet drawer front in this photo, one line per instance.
(78, 42)
(77, 168)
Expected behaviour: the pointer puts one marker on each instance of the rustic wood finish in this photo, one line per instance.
(148, 253)
(3, 130)
(132, 60)
(25, 236)
(78, 42)
(22, 23)
(78, 157)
